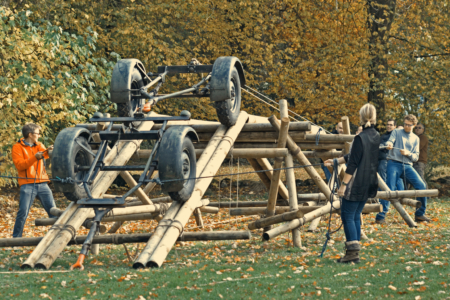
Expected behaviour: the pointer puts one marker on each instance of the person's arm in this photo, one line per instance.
(391, 140)
(414, 153)
(355, 157)
(41, 148)
(20, 161)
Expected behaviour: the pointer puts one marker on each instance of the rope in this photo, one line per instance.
(318, 136)
(277, 104)
(337, 185)
(157, 180)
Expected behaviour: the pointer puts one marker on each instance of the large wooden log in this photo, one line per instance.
(175, 228)
(173, 210)
(212, 126)
(299, 222)
(99, 187)
(121, 211)
(396, 203)
(272, 137)
(297, 153)
(254, 144)
(132, 183)
(276, 175)
(49, 237)
(133, 238)
(346, 125)
(249, 153)
(248, 211)
(265, 165)
(381, 194)
(264, 223)
(253, 153)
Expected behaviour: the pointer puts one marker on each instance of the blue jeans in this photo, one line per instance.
(326, 171)
(382, 168)
(396, 170)
(351, 218)
(27, 194)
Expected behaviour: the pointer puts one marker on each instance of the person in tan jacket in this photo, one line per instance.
(28, 156)
(421, 164)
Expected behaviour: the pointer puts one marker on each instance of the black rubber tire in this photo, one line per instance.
(228, 110)
(129, 108)
(189, 167)
(64, 164)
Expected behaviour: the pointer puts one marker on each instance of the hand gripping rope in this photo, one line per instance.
(337, 184)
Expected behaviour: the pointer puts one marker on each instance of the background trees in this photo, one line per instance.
(327, 57)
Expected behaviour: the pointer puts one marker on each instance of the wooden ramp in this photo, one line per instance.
(69, 222)
(171, 226)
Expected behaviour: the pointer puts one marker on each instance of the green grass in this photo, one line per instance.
(399, 263)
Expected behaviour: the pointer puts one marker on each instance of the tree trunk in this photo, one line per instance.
(380, 15)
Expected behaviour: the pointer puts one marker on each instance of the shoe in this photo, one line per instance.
(380, 221)
(352, 249)
(422, 219)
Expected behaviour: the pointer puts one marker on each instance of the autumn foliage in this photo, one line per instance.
(326, 57)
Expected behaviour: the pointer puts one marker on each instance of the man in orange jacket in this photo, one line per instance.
(27, 155)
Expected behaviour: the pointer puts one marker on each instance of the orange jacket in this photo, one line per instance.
(27, 164)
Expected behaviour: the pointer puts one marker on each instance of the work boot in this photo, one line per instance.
(380, 221)
(422, 219)
(352, 249)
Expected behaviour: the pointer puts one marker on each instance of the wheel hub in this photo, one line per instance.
(233, 96)
(186, 166)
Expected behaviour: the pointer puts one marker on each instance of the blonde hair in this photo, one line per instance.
(368, 115)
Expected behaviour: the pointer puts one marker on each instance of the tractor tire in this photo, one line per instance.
(184, 165)
(68, 153)
(228, 110)
(128, 108)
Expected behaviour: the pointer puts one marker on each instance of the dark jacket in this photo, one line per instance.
(363, 165)
(382, 154)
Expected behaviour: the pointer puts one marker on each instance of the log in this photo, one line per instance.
(293, 201)
(262, 175)
(198, 217)
(272, 137)
(49, 237)
(118, 156)
(258, 137)
(121, 211)
(133, 238)
(247, 153)
(248, 211)
(175, 229)
(254, 144)
(173, 210)
(314, 223)
(265, 165)
(410, 202)
(396, 203)
(212, 126)
(299, 222)
(297, 152)
(276, 175)
(264, 223)
(252, 153)
(243, 204)
(132, 183)
(209, 209)
(387, 195)
(346, 125)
